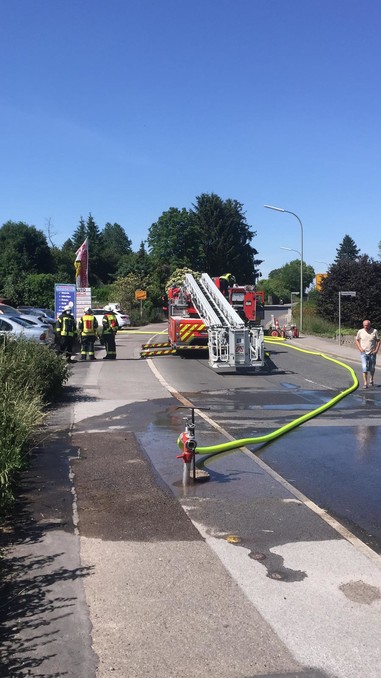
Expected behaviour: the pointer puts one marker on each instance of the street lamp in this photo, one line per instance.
(290, 250)
(292, 312)
(280, 209)
(318, 261)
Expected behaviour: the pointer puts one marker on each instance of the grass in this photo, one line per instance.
(31, 376)
(315, 324)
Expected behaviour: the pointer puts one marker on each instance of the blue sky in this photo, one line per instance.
(125, 108)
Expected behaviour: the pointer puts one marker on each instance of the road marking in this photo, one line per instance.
(338, 527)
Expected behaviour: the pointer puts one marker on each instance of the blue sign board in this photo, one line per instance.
(64, 295)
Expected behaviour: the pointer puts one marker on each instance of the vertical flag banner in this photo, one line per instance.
(81, 265)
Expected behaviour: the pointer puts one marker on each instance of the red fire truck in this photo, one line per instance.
(201, 317)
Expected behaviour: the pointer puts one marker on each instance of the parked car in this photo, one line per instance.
(17, 327)
(33, 321)
(10, 310)
(45, 313)
(122, 318)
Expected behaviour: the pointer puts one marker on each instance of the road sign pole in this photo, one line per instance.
(348, 293)
(339, 318)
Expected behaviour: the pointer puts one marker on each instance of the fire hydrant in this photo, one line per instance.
(188, 440)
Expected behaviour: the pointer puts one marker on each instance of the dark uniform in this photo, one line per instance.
(226, 281)
(110, 327)
(87, 327)
(66, 330)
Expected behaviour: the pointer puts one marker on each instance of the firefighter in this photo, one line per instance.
(87, 327)
(110, 327)
(66, 330)
(226, 281)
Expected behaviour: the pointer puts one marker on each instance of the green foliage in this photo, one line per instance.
(125, 288)
(38, 290)
(175, 239)
(31, 375)
(139, 263)
(116, 245)
(347, 250)
(80, 234)
(64, 262)
(213, 237)
(362, 276)
(178, 276)
(102, 295)
(225, 237)
(282, 281)
(23, 250)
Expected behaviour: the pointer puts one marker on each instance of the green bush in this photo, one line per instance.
(31, 376)
(313, 323)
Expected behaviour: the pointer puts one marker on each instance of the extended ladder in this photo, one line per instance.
(231, 344)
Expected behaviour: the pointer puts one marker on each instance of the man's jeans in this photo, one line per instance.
(368, 362)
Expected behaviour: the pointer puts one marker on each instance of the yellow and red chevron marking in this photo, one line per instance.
(162, 344)
(165, 351)
(187, 330)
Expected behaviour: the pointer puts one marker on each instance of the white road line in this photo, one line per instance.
(338, 527)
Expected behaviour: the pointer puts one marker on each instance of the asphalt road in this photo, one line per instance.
(115, 569)
(334, 459)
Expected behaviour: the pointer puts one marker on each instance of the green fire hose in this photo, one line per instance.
(243, 442)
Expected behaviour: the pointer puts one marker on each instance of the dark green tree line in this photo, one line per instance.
(213, 236)
(362, 276)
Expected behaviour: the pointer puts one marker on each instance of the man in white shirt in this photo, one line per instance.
(368, 343)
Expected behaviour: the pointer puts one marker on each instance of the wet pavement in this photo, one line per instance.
(239, 576)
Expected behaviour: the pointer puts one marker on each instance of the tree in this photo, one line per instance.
(98, 268)
(362, 276)
(139, 263)
(174, 240)
(282, 281)
(347, 250)
(225, 238)
(39, 290)
(115, 240)
(125, 288)
(23, 249)
(116, 245)
(79, 235)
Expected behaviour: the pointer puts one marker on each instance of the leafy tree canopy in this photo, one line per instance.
(23, 249)
(282, 281)
(362, 276)
(138, 263)
(175, 239)
(225, 238)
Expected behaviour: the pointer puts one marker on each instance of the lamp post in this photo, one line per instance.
(290, 249)
(292, 312)
(280, 209)
(318, 261)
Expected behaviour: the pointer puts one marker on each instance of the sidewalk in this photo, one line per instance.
(143, 589)
(329, 346)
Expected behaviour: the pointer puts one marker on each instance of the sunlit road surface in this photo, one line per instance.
(334, 459)
(244, 575)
